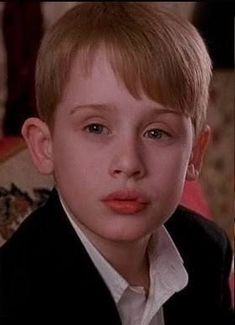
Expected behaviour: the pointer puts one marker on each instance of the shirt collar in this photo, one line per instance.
(167, 272)
(166, 259)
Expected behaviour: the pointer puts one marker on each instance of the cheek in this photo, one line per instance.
(76, 165)
(172, 159)
(168, 171)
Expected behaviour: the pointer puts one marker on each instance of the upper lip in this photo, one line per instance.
(127, 195)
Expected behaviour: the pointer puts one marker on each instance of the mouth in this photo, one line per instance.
(126, 202)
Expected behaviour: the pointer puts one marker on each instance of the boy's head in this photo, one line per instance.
(124, 89)
(148, 49)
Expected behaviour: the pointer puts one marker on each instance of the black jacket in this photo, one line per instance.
(47, 277)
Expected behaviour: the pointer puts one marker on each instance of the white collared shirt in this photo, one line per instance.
(167, 276)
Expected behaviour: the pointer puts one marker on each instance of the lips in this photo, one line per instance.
(126, 202)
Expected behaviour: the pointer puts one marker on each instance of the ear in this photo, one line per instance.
(38, 138)
(198, 153)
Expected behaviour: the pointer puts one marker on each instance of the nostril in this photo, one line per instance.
(128, 173)
(117, 171)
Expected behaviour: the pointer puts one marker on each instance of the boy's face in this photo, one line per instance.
(119, 163)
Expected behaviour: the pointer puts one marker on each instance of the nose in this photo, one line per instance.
(128, 160)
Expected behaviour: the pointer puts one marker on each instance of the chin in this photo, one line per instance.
(125, 233)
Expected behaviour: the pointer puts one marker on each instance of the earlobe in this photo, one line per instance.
(38, 138)
(198, 153)
(192, 172)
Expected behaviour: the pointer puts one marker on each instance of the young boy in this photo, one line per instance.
(122, 91)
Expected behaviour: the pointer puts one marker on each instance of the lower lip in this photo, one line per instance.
(125, 207)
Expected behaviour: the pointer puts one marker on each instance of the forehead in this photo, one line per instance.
(101, 91)
(87, 76)
(92, 79)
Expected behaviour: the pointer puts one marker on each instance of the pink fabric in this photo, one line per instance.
(10, 145)
(194, 199)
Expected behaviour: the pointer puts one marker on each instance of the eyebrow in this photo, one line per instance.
(103, 107)
(158, 109)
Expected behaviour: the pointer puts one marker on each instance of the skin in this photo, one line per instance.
(106, 140)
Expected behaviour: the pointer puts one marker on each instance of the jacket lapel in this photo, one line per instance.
(73, 275)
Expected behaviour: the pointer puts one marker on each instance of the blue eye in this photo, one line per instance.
(95, 128)
(156, 134)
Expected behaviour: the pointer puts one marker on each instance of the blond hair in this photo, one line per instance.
(149, 50)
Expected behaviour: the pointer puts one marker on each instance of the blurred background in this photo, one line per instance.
(23, 189)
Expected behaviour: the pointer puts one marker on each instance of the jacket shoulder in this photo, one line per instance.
(187, 226)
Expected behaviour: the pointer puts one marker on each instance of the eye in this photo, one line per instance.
(96, 128)
(156, 134)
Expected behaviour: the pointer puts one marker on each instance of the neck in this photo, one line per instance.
(130, 259)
